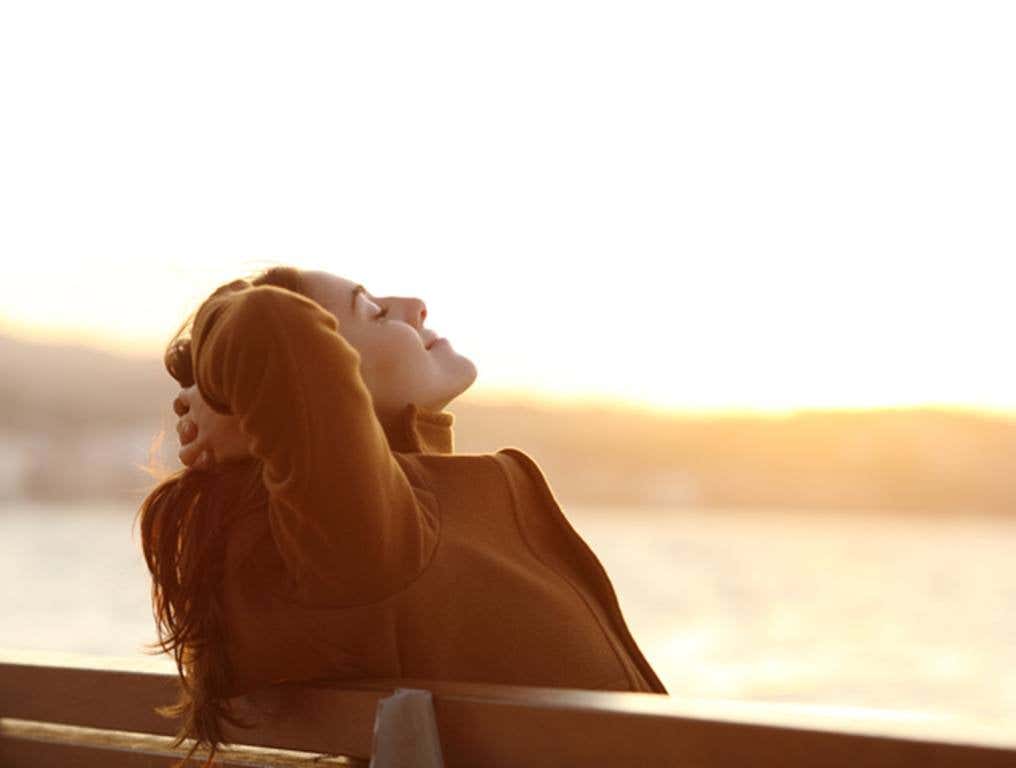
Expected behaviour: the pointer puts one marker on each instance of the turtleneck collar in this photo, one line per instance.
(421, 430)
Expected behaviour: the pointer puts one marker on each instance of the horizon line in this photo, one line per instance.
(496, 394)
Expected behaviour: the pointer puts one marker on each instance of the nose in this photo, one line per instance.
(417, 311)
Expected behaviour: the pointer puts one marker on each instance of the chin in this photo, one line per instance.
(465, 382)
(473, 373)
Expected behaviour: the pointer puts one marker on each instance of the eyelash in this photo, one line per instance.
(382, 313)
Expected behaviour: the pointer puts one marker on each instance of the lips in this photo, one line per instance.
(434, 341)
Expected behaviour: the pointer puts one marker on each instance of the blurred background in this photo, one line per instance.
(737, 275)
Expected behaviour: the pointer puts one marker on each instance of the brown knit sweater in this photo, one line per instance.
(384, 554)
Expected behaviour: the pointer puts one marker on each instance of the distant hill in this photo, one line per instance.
(65, 388)
(76, 422)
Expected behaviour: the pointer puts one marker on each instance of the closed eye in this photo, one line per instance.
(361, 291)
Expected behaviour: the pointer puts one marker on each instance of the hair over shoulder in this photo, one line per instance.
(184, 522)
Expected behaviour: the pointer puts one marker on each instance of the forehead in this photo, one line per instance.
(326, 282)
(324, 286)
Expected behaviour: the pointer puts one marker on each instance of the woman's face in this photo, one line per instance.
(395, 363)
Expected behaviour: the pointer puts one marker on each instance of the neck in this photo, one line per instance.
(419, 429)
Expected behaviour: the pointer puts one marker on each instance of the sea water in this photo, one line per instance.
(846, 609)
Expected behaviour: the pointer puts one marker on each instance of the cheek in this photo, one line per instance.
(399, 357)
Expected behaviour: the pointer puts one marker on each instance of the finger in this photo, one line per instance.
(189, 454)
(205, 460)
(186, 430)
(180, 405)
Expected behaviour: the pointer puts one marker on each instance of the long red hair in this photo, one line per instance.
(185, 521)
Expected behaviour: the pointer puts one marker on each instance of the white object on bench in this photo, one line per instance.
(405, 731)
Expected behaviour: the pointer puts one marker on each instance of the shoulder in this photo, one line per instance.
(477, 472)
(521, 469)
(517, 457)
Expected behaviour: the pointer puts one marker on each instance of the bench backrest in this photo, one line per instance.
(80, 715)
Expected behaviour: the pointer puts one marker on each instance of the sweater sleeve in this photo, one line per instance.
(345, 518)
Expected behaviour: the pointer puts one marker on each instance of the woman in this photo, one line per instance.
(332, 532)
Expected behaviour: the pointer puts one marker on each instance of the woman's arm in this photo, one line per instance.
(343, 513)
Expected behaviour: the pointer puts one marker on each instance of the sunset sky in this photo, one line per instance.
(758, 206)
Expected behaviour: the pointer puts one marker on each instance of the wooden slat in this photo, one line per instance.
(511, 725)
(15, 753)
(541, 740)
(89, 697)
(497, 726)
(122, 700)
(118, 744)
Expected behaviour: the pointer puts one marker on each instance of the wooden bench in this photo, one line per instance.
(87, 711)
